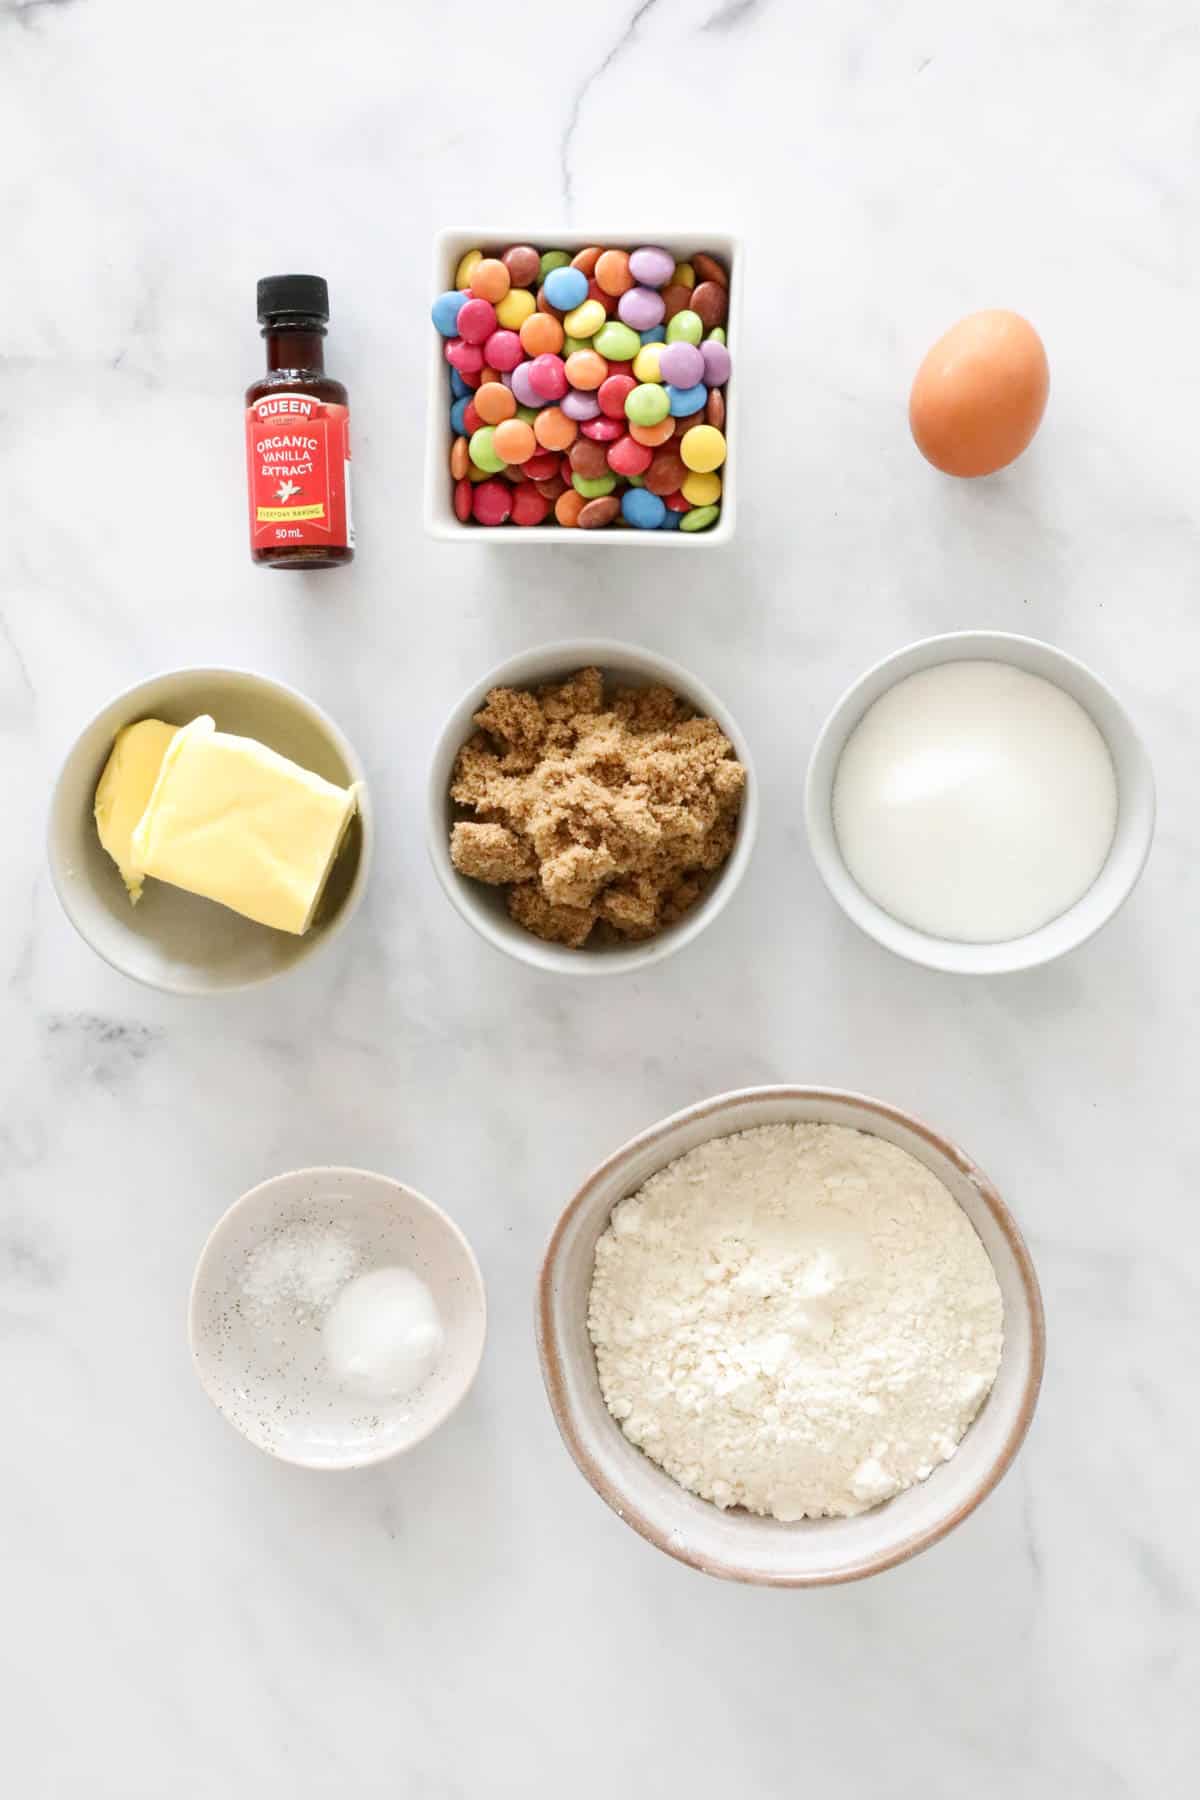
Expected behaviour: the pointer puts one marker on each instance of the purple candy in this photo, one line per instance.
(641, 308)
(520, 386)
(681, 364)
(580, 405)
(716, 362)
(652, 266)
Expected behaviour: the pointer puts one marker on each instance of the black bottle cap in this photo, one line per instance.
(293, 297)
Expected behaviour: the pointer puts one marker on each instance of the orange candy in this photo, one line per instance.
(494, 402)
(612, 272)
(490, 279)
(587, 260)
(568, 507)
(553, 430)
(653, 435)
(514, 441)
(460, 458)
(541, 335)
(586, 369)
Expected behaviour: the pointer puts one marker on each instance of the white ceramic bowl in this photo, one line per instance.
(179, 942)
(440, 521)
(483, 906)
(738, 1545)
(268, 1375)
(1135, 819)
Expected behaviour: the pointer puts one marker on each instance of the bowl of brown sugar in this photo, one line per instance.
(592, 807)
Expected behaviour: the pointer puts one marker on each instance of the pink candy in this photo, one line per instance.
(466, 358)
(476, 321)
(547, 377)
(627, 457)
(503, 351)
(492, 501)
(605, 431)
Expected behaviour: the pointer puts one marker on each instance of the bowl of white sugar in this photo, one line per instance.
(980, 803)
(337, 1317)
(792, 1336)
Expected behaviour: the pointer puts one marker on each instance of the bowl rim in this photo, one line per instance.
(1033, 949)
(551, 1357)
(331, 1171)
(194, 989)
(458, 238)
(571, 654)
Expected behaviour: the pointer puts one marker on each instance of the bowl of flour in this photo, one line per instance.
(792, 1336)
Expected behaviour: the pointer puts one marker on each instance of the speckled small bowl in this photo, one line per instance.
(268, 1376)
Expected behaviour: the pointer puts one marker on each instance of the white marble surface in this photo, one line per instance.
(180, 1616)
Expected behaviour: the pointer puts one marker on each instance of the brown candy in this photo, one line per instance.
(709, 269)
(588, 458)
(710, 302)
(551, 488)
(714, 409)
(666, 474)
(599, 512)
(524, 265)
(543, 305)
(677, 297)
(682, 425)
(514, 472)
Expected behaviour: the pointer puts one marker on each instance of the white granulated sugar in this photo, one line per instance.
(300, 1268)
(797, 1319)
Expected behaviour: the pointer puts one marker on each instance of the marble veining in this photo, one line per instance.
(183, 1616)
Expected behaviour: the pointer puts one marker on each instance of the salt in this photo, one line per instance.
(299, 1269)
(383, 1333)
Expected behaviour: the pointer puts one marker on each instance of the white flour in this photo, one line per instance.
(798, 1319)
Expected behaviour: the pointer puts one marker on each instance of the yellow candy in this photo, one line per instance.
(586, 319)
(462, 275)
(702, 448)
(645, 364)
(702, 488)
(517, 306)
(682, 275)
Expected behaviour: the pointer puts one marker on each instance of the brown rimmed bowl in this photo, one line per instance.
(737, 1545)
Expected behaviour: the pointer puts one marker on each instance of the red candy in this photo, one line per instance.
(612, 393)
(607, 301)
(466, 358)
(464, 494)
(476, 321)
(627, 457)
(541, 466)
(548, 377)
(503, 350)
(492, 501)
(528, 506)
(677, 503)
(472, 418)
(605, 431)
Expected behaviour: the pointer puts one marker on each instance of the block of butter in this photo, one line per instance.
(240, 824)
(124, 791)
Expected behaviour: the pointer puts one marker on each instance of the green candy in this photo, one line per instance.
(617, 342)
(648, 404)
(700, 517)
(636, 480)
(571, 344)
(595, 489)
(528, 413)
(686, 327)
(483, 454)
(553, 259)
(716, 335)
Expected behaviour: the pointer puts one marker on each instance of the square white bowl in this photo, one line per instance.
(440, 520)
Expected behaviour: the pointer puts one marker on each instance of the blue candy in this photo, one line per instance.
(657, 334)
(686, 400)
(565, 288)
(445, 311)
(642, 508)
(458, 387)
(458, 414)
(670, 520)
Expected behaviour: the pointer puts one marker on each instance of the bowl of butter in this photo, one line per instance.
(209, 830)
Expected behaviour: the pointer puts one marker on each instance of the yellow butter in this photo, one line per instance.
(125, 787)
(242, 825)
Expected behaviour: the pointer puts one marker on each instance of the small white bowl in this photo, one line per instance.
(440, 521)
(739, 1545)
(178, 942)
(484, 907)
(270, 1379)
(1135, 818)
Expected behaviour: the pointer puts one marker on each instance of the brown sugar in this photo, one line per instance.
(599, 816)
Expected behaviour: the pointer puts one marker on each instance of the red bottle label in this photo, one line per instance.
(298, 463)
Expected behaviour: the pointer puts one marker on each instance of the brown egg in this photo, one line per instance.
(980, 394)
